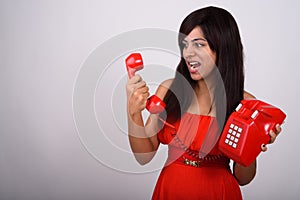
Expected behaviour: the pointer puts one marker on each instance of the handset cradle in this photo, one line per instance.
(134, 62)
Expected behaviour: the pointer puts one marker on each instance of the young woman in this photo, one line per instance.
(208, 86)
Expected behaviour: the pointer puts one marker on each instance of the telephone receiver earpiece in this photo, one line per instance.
(134, 62)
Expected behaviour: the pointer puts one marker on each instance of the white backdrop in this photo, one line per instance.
(43, 45)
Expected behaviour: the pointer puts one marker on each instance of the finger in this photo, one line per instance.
(135, 79)
(140, 84)
(264, 148)
(278, 129)
(132, 88)
(273, 137)
(143, 90)
(139, 96)
(146, 95)
(137, 92)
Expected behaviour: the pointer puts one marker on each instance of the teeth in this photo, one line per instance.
(194, 63)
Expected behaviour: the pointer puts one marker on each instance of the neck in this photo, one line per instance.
(202, 102)
(205, 87)
(204, 99)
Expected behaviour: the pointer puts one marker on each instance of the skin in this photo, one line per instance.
(143, 137)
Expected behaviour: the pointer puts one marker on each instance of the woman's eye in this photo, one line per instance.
(198, 45)
(184, 44)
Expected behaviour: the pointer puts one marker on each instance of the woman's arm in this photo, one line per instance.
(142, 137)
(245, 175)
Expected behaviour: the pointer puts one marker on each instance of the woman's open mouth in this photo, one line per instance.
(194, 66)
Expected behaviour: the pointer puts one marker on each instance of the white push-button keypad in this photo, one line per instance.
(233, 135)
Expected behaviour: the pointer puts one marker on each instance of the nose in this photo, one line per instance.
(189, 50)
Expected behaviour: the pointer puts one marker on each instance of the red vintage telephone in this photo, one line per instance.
(247, 129)
(134, 62)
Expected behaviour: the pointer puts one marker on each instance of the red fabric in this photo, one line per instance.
(212, 179)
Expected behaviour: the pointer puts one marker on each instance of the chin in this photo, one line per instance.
(196, 77)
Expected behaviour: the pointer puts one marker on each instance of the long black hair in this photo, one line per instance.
(222, 34)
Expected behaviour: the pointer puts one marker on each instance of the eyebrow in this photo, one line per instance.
(196, 39)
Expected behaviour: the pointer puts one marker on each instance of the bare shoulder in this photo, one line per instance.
(248, 95)
(163, 88)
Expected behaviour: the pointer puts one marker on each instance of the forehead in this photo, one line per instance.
(195, 33)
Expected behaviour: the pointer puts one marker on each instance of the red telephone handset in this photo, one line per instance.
(247, 129)
(134, 62)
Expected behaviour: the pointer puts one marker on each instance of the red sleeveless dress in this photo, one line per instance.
(185, 175)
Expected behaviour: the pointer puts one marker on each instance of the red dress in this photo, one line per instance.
(184, 175)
